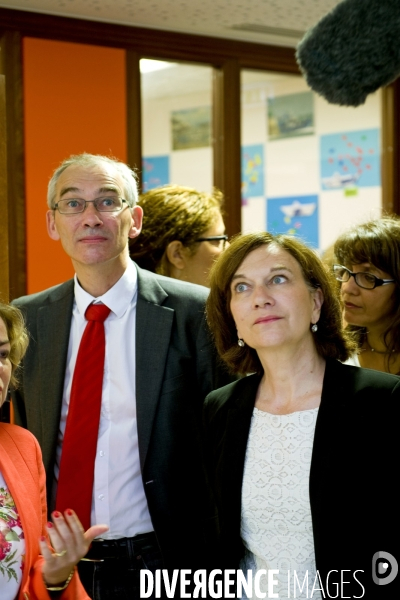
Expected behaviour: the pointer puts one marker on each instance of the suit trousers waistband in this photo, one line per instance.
(101, 550)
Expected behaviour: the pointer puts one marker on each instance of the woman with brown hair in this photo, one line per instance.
(369, 272)
(292, 446)
(183, 233)
(24, 531)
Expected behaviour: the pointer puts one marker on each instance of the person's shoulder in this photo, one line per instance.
(173, 288)
(51, 294)
(14, 435)
(378, 379)
(183, 287)
(224, 396)
(358, 378)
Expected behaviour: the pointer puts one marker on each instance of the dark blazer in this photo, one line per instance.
(175, 369)
(354, 471)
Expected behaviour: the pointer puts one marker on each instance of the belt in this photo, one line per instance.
(121, 548)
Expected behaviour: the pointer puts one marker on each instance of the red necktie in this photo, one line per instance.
(75, 481)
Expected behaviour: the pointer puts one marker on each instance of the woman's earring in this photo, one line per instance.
(314, 327)
(240, 342)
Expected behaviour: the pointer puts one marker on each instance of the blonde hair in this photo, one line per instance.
(17, 335)
(172, 212)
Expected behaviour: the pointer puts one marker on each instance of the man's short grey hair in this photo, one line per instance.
(129, 177)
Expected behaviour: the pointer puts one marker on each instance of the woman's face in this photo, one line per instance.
(271, 303)
(5, 363)
(198, 265)
(368, 308)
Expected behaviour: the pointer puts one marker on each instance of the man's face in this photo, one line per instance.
(93, 237)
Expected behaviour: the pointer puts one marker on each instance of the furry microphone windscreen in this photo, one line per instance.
(352, 51)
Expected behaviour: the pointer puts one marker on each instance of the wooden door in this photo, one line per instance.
(4, 274)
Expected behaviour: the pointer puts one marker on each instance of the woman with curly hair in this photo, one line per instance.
(183, 233)
(24, 531)
(369, 272)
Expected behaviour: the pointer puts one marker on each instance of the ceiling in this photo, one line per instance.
(180, 79)
(278, 22)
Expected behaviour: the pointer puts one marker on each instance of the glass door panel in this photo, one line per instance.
(176, 124)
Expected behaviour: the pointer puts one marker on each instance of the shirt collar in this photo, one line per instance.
(118, 298)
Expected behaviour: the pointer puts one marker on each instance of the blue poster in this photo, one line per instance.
(252, 171)
(155, 172)
(295, 215)
(350, 160)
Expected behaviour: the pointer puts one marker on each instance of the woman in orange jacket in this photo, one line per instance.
(36, 557)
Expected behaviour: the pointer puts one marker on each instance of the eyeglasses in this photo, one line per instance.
(363, 280)
(217, 239)
(73, 206)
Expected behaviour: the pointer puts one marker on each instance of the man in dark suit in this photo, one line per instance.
(149, 482)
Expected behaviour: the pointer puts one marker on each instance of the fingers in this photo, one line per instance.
(78, 530)
(44, 549)
(69, 534)
(70, 544)
(57, 564)
(67, 537)
(95, 531)
(66, 533)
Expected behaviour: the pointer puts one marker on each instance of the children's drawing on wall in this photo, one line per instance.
(294, 216)
(191, 128)
(350, 161)
(291, 115)
(252, 172)
(155, 172)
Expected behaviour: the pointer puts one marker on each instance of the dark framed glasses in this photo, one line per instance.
(363, 280)
(73, 206)
(217, 239)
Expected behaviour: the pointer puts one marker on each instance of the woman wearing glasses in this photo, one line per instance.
(183, 233)
(369, 272)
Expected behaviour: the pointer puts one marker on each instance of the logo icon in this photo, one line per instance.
(384, 568)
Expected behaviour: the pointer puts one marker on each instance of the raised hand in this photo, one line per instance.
(70, 543)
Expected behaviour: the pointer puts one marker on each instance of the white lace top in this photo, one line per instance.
(276, 523)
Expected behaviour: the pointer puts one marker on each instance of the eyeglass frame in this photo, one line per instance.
(79, 212)
(213, 238)
(377, 280)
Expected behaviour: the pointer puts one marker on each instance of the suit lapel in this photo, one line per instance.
(331, 413)
(53, 330)
(153, 332)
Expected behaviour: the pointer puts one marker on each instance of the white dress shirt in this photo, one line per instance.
(118, 495)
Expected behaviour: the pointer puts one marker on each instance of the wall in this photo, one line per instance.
(288, 169)
(179, 87)
(293, 166)
(192, 167)
(74, 101)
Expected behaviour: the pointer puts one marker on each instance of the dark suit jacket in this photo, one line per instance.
(354, 470)
(175, 369)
